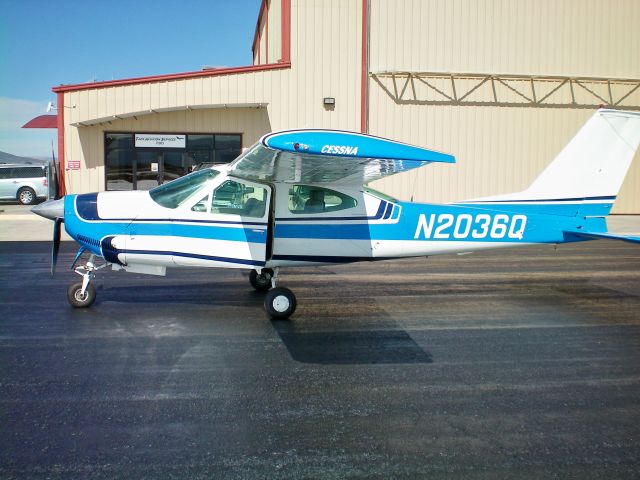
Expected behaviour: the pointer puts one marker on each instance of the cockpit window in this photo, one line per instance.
(236, 198)
(172, 194)
(308, 199)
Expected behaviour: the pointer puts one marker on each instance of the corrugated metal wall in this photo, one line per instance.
(275, 27)
(499, 149)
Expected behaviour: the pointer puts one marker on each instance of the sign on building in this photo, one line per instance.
(163, 140)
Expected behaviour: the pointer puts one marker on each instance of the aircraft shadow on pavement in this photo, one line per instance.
(351, 347)
(181, 293)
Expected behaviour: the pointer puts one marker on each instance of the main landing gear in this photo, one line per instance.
(83, 294)
(280, 302)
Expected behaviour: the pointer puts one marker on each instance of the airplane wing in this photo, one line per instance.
(330, 156)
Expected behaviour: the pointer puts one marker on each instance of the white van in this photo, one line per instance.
(24, 183)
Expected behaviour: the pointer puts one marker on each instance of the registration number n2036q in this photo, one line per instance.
(445, 226)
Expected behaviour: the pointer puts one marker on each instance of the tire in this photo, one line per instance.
(26, 196)
(261, 281)
(76, 300)
(280, 303)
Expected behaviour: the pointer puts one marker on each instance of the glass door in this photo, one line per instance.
(148, 170)
(172, 166)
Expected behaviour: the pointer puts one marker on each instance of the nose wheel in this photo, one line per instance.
(83, 294)
(79, 298)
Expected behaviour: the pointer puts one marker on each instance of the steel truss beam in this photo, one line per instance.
(436, 88)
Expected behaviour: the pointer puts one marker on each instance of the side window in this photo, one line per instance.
(27, 172)
(308, 199)
(239, 199)
(202, 205)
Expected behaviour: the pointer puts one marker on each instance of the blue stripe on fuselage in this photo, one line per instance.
(481, 223)
(563, 208)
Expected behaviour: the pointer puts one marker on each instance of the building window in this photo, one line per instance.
(119, 156)
(131, 167)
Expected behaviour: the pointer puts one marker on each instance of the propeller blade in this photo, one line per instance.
(56, 244)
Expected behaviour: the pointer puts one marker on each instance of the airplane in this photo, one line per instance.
(299, 198)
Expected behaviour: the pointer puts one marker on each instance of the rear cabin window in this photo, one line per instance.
(308, 199)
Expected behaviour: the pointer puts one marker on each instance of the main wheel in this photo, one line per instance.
(26, 196)
(261, 281)
(280, 303)
(77, 299)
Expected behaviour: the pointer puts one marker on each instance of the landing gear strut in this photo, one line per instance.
(280, 302)
(261, 281)
(83, 294)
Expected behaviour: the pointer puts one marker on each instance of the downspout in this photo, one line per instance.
(61, 161)
(364, 77)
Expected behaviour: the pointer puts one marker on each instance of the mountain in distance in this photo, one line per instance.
(9, 158)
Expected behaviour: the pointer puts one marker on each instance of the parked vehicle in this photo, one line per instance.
(24, 183)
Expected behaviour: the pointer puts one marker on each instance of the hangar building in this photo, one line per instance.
(501, 84)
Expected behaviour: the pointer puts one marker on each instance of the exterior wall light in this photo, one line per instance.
(329, 101)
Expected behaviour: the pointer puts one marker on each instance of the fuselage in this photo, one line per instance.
(230, 222)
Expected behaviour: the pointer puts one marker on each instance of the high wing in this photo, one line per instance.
(329, 156)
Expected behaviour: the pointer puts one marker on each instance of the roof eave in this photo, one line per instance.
(169, 77)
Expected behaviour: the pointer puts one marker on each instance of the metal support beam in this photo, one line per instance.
(439, 88)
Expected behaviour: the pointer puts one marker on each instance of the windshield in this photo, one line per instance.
(172, 194)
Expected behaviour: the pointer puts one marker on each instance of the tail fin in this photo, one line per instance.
(590, 169)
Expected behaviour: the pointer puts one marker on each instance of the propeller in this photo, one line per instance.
(55, 247)
(53, 210)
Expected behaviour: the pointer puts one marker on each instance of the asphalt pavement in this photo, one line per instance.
(506, 364)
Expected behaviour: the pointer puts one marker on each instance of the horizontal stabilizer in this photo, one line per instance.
(607, 235)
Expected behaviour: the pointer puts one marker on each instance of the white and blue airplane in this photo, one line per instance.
(298, 198)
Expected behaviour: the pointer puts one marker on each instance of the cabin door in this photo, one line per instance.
(227, 227)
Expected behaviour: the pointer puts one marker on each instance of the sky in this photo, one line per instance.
(45, 43)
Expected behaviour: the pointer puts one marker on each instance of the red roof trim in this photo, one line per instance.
(256, 33)
(284, 62)
(173, 76)
(42, 121)
(266, 28)
(286, 31)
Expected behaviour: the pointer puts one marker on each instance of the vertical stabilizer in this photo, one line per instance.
(591, 167)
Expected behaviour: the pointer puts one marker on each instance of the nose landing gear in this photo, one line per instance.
(83, 294)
